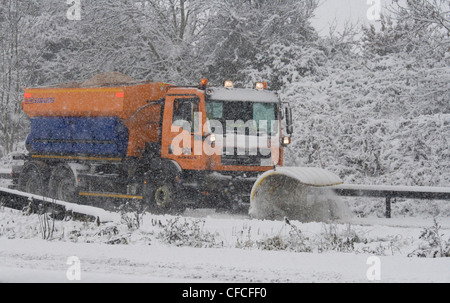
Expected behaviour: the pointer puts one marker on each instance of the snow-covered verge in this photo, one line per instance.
(204, 246)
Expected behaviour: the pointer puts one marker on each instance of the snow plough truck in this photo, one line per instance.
(165, 146)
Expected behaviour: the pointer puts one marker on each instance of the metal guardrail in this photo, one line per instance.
(373, 191)
(5, 174)
(390, 192)
(19, 200)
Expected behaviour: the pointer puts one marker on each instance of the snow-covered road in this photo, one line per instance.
(232, 251)
(41, 261)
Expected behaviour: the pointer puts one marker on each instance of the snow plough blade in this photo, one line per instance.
(286, 192)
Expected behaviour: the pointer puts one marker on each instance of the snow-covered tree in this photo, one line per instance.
(174, 31)
(379, 116)
(245, 30)
(15, 23)
(432, 14)
(152, 40)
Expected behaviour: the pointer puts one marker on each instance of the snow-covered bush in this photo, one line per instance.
(132, 214)
(46, 226)
(187, 232)
(433, 243)
(331, 239)
(295, 241)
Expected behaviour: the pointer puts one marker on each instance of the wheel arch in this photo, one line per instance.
(165, 169)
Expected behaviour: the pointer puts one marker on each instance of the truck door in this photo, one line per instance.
(182, 138)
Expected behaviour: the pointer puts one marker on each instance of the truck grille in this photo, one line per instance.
(247, 159)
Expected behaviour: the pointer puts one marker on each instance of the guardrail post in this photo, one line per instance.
(388, 207)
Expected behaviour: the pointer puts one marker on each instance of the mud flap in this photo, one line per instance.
(298, 193)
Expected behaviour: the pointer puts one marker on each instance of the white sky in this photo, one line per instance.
(355, 11)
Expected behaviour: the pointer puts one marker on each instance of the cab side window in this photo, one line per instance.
(184, 113)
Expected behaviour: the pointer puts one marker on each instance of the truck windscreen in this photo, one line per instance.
(259, 117)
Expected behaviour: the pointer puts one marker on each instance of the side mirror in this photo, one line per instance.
(289, 122)
(281, 113)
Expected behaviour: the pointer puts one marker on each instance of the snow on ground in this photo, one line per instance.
(5, 183)
(205, 246)
(38, 261)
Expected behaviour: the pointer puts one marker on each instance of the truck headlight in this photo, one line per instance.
(212, 140)
(285, 141)
(229, 84)
(261, 85)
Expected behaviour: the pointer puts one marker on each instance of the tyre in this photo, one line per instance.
(162, 198)
(62, 185)
(34, 178)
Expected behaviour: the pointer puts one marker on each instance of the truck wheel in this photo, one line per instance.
(34, 178)
(164, 196)
(63, 184)
(163, 199)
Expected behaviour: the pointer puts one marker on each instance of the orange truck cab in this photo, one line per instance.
(167, 146)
